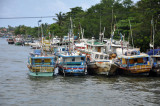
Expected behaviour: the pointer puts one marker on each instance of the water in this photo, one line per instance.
(18, 88)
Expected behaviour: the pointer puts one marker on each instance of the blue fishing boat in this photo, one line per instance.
(72, 64)
(155, 56)
(41, 65)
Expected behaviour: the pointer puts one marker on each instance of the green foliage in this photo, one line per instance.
(107, 13)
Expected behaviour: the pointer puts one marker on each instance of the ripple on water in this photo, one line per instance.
(17, 88)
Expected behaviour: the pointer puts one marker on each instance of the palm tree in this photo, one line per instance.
(59, 19)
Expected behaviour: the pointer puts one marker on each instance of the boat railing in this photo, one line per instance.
(43, 65)
(73, 65)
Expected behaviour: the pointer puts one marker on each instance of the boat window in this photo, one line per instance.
(96, 56)
(73, 59)
(42, 60)
(82, 58)
(105, 57)
(131, 61)
(135, 60)
(145, 59)
(63, 49)
(101, 56)
(140, 60)
(123, 61)
(64, 59)
(158, 58)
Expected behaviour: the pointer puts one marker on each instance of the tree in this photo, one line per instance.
(60, 18)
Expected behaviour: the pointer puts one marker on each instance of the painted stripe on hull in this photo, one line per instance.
(41, 74)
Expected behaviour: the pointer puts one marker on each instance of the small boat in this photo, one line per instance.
(10, 41)
(155, 56)
(72, 64)
(18, 40)
(41, 65)
(134, 63)
(28, 41)
(35, 45)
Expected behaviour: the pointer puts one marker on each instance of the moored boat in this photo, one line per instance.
(72, 64)
(18, 40)
(101, 64)
(10, 41)
(41, 65)
(134, 63)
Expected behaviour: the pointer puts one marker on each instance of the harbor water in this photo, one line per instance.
(18, 88)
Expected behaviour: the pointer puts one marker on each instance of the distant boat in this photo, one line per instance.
(134, 63)
(40, 64)
(72, 64)
(35, 45)
(18, 40)
(10, 41)
(28, 41)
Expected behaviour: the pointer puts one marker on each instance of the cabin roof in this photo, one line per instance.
(99, 53)
(61, 55)
(96, 43)
(134, 56)
(45, 57)
(155, 55)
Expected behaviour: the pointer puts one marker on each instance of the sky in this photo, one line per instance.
(37, 8)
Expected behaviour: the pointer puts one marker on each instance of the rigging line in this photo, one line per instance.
(25, 17)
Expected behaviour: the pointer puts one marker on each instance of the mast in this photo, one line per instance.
(153, 34)
(100, 34)
(112, 21)
(42, 33)
(131, 33)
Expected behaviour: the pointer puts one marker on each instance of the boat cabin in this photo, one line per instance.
(72, 60)
(42, 60)
(95, 56)
(134, 60)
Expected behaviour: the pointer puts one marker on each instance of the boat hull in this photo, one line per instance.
(18, 43)
(72, 72)
(143, 70)
(101, 68)
(41, 71)
(10, 42)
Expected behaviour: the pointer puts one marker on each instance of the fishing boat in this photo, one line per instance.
(72, 64)
(134, 63)
(155, 57)
(35, 45)
(40, 64)
(10, 41)
(28, 41)
(101, 64)
(18, 40)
